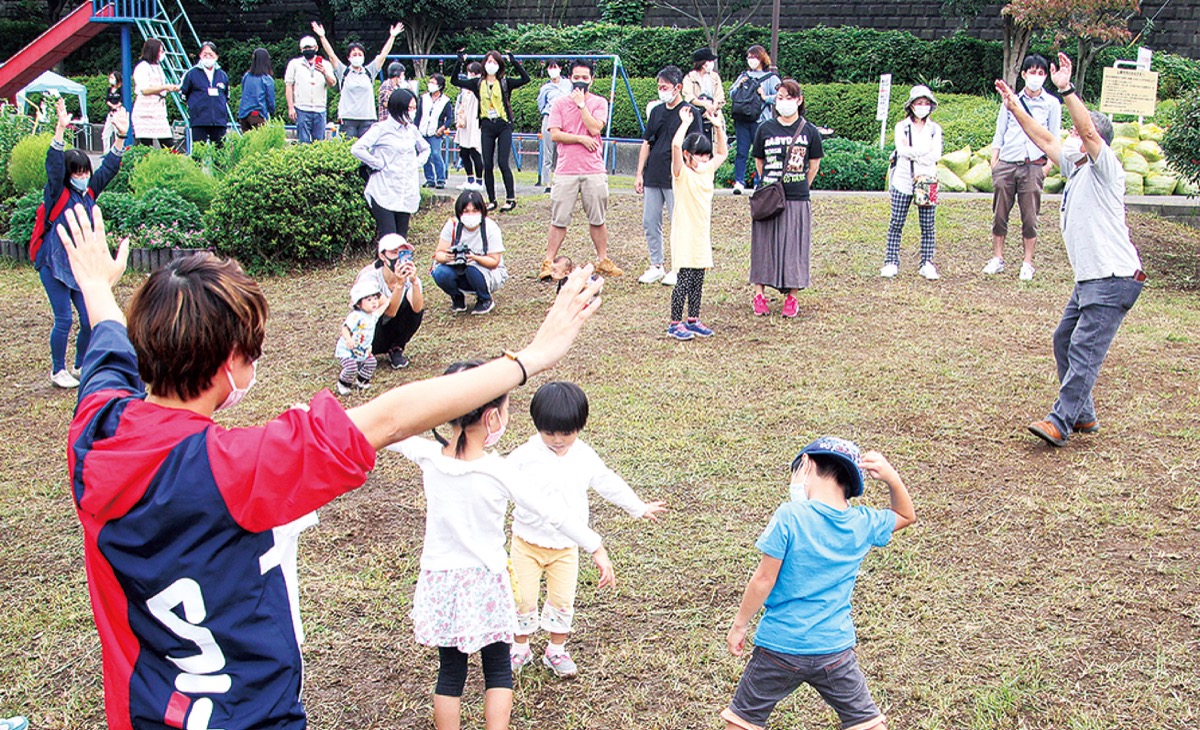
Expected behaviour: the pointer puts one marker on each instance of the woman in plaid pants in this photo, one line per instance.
(918, 148)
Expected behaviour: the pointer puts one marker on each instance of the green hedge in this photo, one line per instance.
(289, 205)
(163, 169)
(1182, 141)
(850, 165)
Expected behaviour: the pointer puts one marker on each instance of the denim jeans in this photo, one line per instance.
(310, 126)
(459, 280)
(435, 167)
(652, 219)
(61, 297)
(355, 128)
(1081, 342)
(745, 132)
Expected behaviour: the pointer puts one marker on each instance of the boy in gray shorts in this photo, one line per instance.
(812, 550)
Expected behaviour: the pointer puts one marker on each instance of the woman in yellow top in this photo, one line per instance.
(494, 91)
(694, 165)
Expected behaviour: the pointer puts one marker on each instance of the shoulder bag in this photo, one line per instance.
(925, 187)
(768, 200)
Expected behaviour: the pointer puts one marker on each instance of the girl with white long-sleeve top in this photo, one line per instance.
(395, 151)
(918, 148)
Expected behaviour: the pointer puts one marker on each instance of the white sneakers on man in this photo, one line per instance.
(995, 266)
(929, 271)
(653, 274)
(669, 279)
(1026, 271)
(64, 379)
(889, 271)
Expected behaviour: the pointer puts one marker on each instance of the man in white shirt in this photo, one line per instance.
(1108, 271)
(305, 81)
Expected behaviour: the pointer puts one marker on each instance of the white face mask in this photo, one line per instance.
(434, 88)
(472, 220)
(753, 63)
(787, 107)
(920, 111)
(235, 396)
(798, 487)
(493, 437)
(491, 67)
(709, 66)
(666, 97)
(1073, 150)
(554, 74)
(80, 183)
(208, 62)
(1034, 82)
(356, 61)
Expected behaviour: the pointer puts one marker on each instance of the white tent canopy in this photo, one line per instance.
(51, 81)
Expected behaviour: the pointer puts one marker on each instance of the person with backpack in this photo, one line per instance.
(70, 182)
(470, 255)
(356, 82)
(752, 99)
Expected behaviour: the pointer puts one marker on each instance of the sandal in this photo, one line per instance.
(508, 205)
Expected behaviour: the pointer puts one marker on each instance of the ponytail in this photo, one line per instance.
(470, 418)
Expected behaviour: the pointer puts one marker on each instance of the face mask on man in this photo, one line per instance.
(237, 394)
(787, 107)
(666, 97)
(1034, 82)
(491, 67)
(309, 53)
(1073, 150)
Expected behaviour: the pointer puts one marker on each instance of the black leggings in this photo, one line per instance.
(393, 333)
(472, 161)
(493, 134)
(389, 221)
(690, 286)
(452, 669)
(214, 134)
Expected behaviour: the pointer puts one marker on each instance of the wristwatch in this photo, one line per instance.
(1067, 91)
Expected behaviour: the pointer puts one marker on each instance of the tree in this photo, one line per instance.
(1093, 24)
(423, 20)
(719, 19)
(1017, 33)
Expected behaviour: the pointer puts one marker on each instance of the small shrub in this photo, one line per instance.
(24, 211)
(160, 236)
(165, 169)
(622, 12)
(125, 213)
(27, 163)
(290, 205)
(268, 137)
(1182, 140)
(129, 162)
(850, 165)
(120, 212)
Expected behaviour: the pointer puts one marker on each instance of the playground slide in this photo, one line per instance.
(59, 41)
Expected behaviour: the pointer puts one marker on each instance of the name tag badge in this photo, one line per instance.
(492, 114)
(214, 91)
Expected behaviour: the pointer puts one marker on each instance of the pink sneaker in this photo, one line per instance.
(791, 307)
(761, 307)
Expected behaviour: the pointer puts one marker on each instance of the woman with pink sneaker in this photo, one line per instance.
(787, 148)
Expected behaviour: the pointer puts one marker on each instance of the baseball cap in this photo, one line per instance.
(845, 451)
(392, 242)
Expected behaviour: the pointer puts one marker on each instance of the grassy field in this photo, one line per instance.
(1040, 588)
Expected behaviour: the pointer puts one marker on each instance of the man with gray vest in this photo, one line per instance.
(1108, 271)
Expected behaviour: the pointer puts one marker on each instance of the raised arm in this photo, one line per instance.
(875, 465)
(522, 75)
(394, 31)
(1080, 116)
(721, 146)
(326, 46)
(1042, 137)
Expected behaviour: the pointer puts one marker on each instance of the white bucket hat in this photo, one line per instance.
(361, 290)
(920, 91)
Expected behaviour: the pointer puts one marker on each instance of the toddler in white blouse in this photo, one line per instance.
(558, 468)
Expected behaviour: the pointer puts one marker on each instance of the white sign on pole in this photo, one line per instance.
(881, 109)
(1144, 57)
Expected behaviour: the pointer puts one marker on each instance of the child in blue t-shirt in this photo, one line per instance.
(812, 549)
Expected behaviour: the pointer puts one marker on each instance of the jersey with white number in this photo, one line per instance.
(182, 549)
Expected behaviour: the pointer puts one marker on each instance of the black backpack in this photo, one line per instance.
(747, 105)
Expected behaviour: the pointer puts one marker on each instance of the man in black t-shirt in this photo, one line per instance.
(653, 179)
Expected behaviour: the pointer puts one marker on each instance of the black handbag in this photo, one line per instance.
(768, 200)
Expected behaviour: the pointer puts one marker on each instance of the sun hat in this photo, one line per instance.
(920, 91)
(845, 451)
(361, 290)
(392, 242)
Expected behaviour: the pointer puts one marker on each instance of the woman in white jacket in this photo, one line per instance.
(395, 151)
(918, 148)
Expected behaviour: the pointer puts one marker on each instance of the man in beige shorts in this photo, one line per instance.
(576, 123)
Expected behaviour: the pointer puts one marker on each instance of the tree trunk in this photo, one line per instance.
(54, 10)
(1016, 45)
(421, 35)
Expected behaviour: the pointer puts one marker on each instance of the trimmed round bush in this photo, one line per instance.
(27, 163)
(1181, 143)
(850, 165)
(291, 205)
(129, 161)
(165, 169)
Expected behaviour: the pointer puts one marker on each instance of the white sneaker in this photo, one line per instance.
(1026, 271)
(653, 274)
(75, 372)
(343, 389)
(738, 188)
(929, 271)
(669, 279)
(64, 379)
(889, 270)
(995, 266)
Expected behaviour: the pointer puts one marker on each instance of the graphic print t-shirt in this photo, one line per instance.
(770, 145)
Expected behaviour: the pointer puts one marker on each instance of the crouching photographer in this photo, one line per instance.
(470, 256)
(395, 276)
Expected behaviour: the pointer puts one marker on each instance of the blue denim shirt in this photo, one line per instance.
(258, 94)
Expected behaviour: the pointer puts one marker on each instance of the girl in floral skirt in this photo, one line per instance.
(464, 598)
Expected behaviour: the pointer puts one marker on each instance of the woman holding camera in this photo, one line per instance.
(395, 151)
(469, 257)
(395, 275)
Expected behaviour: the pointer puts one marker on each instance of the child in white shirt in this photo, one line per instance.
(464, 598)
(353, 348)
(558, 468)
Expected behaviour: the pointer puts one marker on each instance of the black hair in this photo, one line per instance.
(471, 418)
(830, 467)
(475, 67)
(151, 49)
(672, 75)
(440, 80)
(697, 143)
(395, 70)
(498, 57)
(559, 407)
(553, 62)
(583, 63)
(260, 62)
(76, 161)
(356, 46)
(398, 104)
(1035, 60)
(469, 197)
(210, 46)
(117, 76)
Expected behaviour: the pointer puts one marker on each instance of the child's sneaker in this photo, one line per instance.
(761, 308)
(561, 664)
(364, 384)
(679, 331)
(519, 659)
(344, 389)
(791, 307)
(697, 328)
